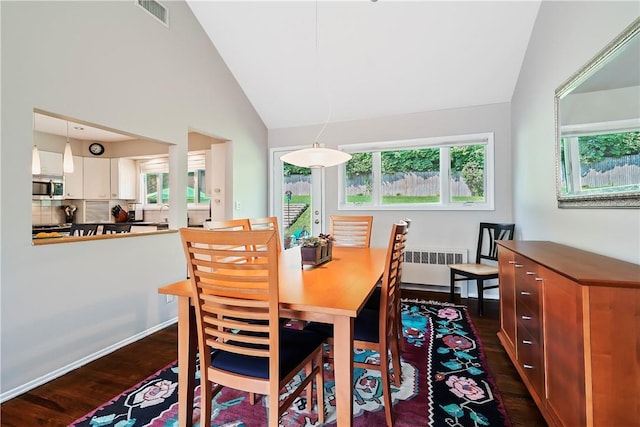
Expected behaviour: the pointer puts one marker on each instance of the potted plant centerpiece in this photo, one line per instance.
(316, 250)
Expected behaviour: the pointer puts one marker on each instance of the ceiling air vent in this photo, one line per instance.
(156, 9)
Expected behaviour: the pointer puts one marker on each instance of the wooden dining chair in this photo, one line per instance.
(377, 329)
(480, 271)
(267, 223)
(228, 294)
(116, 228)
(241, 224)
(373, 302)
(353, 231)
(83, 230)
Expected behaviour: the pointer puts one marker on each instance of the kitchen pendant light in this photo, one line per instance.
(35, 161)
(35, 154)
(67, 161)
(317, 157)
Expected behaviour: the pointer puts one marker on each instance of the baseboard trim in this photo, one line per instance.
(10, 394)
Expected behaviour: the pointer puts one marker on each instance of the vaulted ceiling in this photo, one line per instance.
(301, 62)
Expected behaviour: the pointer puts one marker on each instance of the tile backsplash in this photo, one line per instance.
(47, 212)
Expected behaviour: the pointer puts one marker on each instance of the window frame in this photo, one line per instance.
(486, 139)
(571, 166)
(160, 165)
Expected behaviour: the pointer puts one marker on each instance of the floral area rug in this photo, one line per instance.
(445, 382)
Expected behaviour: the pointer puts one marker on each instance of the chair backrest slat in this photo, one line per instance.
(489, 234)
(353, 231)
(83, 230)
(267, 223)
(116, 228)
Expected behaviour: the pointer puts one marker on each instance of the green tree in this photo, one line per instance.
(595, 148)
(359, 163)
(289, 169)
(421, 160)
(468, 160)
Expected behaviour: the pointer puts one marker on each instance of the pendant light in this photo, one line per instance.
(67, 161)
(35, 154)
(316, 156)
(35, 161)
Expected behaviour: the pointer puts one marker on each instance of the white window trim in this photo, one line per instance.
(600, 128)
(444, 205)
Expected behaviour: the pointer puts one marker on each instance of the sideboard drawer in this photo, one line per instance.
(527, 283)
(530, 358)
(529, 319)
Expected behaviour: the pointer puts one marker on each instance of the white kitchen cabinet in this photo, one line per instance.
(74, 182)
(123, 179)
(97, 178)
(50, 163)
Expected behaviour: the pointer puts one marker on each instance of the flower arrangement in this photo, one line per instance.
(316, 250)
(315, 241)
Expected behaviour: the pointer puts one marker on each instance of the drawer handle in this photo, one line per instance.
(531, 273)
(538, 279)
(526, 317)
(527, 342)
(525, 366)
(525, 293)
(512, 262)
(518, 266)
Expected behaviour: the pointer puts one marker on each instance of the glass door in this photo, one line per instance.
(296, 197)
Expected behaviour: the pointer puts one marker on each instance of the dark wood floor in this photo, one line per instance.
(71, 396)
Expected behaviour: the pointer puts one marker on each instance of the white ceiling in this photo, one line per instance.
(372, 59)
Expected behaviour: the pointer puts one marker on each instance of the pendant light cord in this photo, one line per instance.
(326, 84)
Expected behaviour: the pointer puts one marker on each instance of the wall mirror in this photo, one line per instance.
(598, 129)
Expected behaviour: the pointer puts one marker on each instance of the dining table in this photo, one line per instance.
(333, 292)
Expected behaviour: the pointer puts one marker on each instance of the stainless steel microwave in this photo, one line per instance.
(45, 187)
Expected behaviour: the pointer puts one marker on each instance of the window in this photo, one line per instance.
(155, 180)
(600, 158)
(431, 173)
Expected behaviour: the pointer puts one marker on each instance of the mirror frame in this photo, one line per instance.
(609, 200)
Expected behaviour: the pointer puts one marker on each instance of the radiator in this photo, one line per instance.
(428, 266)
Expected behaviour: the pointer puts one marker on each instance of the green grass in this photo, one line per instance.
(305, 218)
(390, 200)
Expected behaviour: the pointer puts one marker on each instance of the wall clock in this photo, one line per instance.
(96, 149)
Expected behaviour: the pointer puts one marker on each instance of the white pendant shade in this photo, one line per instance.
(35, 161)
(67, 159)
(316, 157)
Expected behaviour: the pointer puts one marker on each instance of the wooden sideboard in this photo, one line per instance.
(570, 322)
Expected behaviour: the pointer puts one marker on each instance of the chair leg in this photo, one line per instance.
(386, 387)
(319, 389)
(480, 284)
(205, 400)
(273, 411)
(395, 362)
(452, 283)
(308, 370)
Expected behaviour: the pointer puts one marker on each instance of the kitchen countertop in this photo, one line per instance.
(70, 239)
(64, 229)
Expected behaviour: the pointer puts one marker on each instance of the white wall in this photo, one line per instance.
(111, 64)
(438, 229)
(565, 37)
